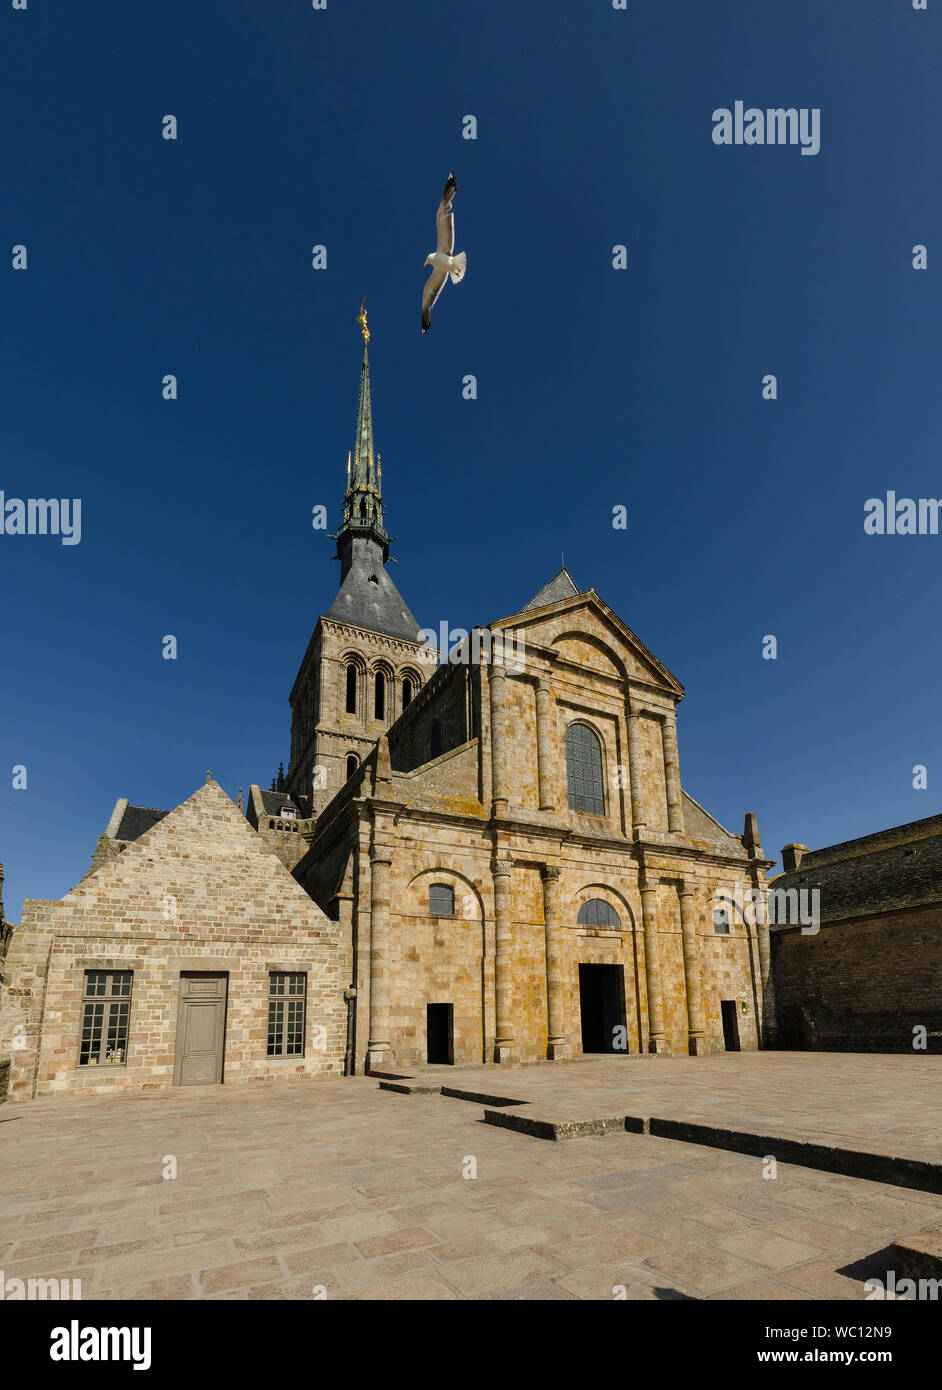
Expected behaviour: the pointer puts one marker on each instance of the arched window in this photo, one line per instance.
(353, 762)
(584, 770)
(597, 913)
(351, 689)
(406, 692)
(379, 701)
(435, 740)
(441, 900)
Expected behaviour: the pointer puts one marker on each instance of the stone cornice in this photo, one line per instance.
(397, 644)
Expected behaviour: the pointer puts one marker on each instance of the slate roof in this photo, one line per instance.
(136, 820)
(885, 872)
(275, 803)
(560, 586)
(368, 597)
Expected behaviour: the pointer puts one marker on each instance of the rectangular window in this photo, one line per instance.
(721, 922)
(106, 1011)
(287, 996)
(441, 900)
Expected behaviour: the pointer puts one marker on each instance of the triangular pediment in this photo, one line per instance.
(205, 859)
(582, 629)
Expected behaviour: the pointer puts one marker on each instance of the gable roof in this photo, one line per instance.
(275, 803)
(205, 854)
(561, 586)
(136, 820)
(571, 603)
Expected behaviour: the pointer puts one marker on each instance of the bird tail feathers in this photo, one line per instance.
(459, 265)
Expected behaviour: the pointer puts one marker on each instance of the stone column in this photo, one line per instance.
(765, 1017)
(634, 774)
(545, 760)
(696, 1045)
(557, 1041)
(657, 1038)
(675, 808)
(379, 1050)
(504, 1040)
(499, 797)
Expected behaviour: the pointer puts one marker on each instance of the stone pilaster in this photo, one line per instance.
(765, 1014)
(634, 773)
(675, 807)
(499, 796)
(379, 1049)
(696, 1045)
(557, 1041)
(503, 965)
(545, 748)
(657, 1038)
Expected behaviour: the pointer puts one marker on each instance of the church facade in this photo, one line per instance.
(482, 856)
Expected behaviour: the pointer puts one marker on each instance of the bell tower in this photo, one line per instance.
(362, 666)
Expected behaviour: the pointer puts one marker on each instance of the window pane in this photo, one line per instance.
(106, 1013)
(286, 1012)
(584, 770)
(597, 913)
(441, 900)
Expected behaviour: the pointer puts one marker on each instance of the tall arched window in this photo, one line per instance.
(353, 762)
(406, 692)
(379, 699)
(435, 740)
(351, 689)
(584, 770)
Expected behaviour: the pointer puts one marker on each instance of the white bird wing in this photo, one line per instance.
(445, 218)
(433, 288)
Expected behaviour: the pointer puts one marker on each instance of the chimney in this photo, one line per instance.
(791, 857)
(750, 836)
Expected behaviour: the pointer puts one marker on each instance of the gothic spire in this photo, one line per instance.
(363, 500)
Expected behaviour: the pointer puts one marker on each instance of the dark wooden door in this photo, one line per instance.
(201, 1029)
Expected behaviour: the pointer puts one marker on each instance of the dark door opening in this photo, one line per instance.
(438, 1033)
(730, 1025)
(602, 1005)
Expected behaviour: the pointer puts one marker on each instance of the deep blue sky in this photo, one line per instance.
(596, 387)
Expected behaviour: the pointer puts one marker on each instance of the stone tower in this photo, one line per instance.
(363, 663)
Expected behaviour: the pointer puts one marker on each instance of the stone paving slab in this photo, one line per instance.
(877, 1116)
(336, 1189)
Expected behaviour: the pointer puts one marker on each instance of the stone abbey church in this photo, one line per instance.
(483, 860)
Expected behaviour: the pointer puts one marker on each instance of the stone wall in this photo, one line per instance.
(861, 985)
(197, 892)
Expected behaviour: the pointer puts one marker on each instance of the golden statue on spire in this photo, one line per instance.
(361, 320)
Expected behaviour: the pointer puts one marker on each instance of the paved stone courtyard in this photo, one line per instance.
(283, 1188)
(869, 1102)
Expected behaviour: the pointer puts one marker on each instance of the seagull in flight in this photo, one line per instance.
(442, 260)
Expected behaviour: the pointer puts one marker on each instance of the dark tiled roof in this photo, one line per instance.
(136, 820)
(560, 586)
(885, 872)
(275, 803)
(369, 598)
